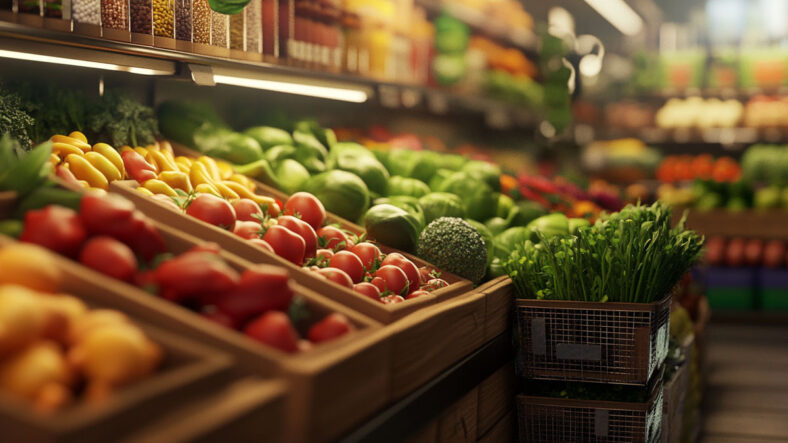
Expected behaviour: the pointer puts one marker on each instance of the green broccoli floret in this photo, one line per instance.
(453, 245)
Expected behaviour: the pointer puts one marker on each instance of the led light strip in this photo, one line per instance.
(333, 93)
(619, 14)
(80, 63)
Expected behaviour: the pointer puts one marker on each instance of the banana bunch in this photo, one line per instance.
(202, 175)
(76, 161)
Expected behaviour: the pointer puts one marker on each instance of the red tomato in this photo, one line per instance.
(56, 228)
(324, 254)
(214, 210)
(303, 229)
(435, 284)
(337, 276)
(415, 294)
(308, 207)
(379, 283)
(102, 214)
(368, 253)
(332, 238)
(109, 257)
(263, 244)
(395, 278)
(274, 329)
(143, 238)
(368, 290)
(262, 288)
(333, 326)
(350, 263)
(410, 269)
(195, 275)
(247, 209)
(286, 243)
(247, 229)
(392, 299)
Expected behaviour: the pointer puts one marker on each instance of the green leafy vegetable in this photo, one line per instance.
(14, 121)
(120, 120)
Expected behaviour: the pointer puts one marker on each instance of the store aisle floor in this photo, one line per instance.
(747, 392)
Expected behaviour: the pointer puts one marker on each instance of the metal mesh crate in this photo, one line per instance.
(554, 420)
(620, 343)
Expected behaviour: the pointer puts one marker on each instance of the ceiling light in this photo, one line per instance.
(346, 94)
(619, 14)
(81, 63)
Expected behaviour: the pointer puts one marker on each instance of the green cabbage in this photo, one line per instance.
(341, 192)
(441, 204)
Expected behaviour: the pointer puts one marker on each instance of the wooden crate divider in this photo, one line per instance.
(499, 300)
(496, 398)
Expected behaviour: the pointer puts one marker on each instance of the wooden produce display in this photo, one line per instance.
(503, 430)
(7, 203)
(189, 370)
(496, 399)
(248, 251)
(766, 225)
(499, 302)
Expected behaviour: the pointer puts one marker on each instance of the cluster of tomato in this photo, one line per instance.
(110, 236)
(298, 235)
(675, 168)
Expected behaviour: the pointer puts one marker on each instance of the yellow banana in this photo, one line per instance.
(205, 188)
(243, 180)
(145, 191)
(112, 155)
(183, 163)
(159, 187)
(83, 170)
(71, 141)
(225, 169)
(226, 192)
(54, 160)
(243, 192)
(210, 167)
(104, 166)
(177, 180)
(199, 175)
(162, 162)
(79, 136)
(64, 149)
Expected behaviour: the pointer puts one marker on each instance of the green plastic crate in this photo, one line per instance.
(774, 299)
(731, 298)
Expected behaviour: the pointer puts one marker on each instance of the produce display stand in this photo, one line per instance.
(767, 225)
(675, 392)
(242, 248)
(190, 370)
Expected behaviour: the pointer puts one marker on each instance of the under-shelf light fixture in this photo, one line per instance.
(293, 85)
(619, 14)
(79, 63)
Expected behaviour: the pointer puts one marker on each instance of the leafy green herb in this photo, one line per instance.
(14, 121)
(630, 256)
(56, 110)
(22, 171)
(120, 120)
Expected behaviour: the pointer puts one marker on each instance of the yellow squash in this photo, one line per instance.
(84, 170)
(104, 166)
(112, 155)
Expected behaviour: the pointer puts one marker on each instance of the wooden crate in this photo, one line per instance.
(429, 341)
(249, 409)
(458, 422)
(383, 313)
(340, 366)
(503, 431)
(189, 369)
(496, 398)
(499, 301)
(767, 225)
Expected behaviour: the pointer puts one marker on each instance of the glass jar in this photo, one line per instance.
(141, 16)
(115, 14)
(269, 36)
(183, 20)
(164, 18)
(201, 22)
(86, 11)
(254, 26)
(219, 29)
(236, 22)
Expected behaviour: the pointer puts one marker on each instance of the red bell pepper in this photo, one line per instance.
(56, 228)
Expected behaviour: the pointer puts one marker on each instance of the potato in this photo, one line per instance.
(22, 320)
(38, 373)
(30, 266)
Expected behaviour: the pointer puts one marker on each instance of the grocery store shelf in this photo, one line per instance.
(141, 59)
(721, 93)
(523, 39)
(410, 414)
(695, 136)
(767, 225)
